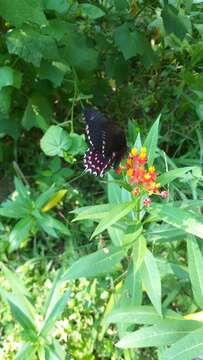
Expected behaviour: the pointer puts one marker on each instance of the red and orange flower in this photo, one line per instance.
(142, 176)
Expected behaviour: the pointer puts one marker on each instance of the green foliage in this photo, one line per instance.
(134, 60)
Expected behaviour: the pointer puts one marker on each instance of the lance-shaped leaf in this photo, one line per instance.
(195, 265)
(152, 140)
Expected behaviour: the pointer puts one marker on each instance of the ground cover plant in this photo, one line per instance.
(112, 267)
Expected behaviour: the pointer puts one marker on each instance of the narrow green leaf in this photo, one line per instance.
(131, 292)
(19, 312)
(27, 351)
(118, 212)
(179, 218)
(54, 314)
(95, 212)
(142, 315)
(53, 296)
(151, 279)
(171, 175)
(20, 232)
(165, 332)
(152, 140)
(187, 348)
(14, 281)
(195, 264)
(139, 251)
(98, 263)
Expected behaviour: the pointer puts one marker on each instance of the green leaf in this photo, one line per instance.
(95, 212)
(139, 251)
(187, 348)
(44, 197)
(166, 332)
(116, 235)
(98, 263)
(20, 313)
(173, 22)
(151, 279)
(131, 292)
(179, 218)
(78, 145)
(55, 141)
(20, 232)
(128, 42)
(171, 175)
(49, 224)
(22, 42)
(91, 11)
(10, 77)
(38, 113)
(27, 351)
(164, 233)
(152, 141)
(14, 281)
(132, 43)
(139, 315)
(18, 12)
(117, 213)
(61, 6)
(78, 53)
(56, 311)
(195, 265)
(54, 295)
(53, 71)
(114, 191)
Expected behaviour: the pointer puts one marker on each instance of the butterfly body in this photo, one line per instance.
(107, 143)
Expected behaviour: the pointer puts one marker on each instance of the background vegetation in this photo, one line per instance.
(133, 60)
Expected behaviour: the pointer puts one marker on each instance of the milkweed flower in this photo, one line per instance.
(141, 176)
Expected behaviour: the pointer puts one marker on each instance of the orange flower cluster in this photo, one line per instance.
(144, 178)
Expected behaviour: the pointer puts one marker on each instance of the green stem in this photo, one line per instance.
(138, 211)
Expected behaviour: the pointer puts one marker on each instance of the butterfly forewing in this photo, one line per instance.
(107, 142)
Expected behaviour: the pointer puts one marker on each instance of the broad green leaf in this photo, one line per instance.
(38, 113)
(132, 43)
(95, 212)
(128, 42)
(55, 141)
(78, 145)
(152, 141)
(179, 218)
(91, 11)
(139, 251)
(166, 332)
(173, 22)
(18, 12)
(151, 279)
(26, 352)
(20, 313)
(98, 263)
(22, 41)
(20, 232)
(10, 77)
(139, 315)
(61, 6)
(187, 348)
(117, 213)
(78, 53)
(171, 175)
(195, 265)
(54, 314)
(53, 71)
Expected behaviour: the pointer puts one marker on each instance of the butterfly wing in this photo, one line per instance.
(107, 142)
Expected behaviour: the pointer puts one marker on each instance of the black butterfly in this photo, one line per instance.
(107, 143)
